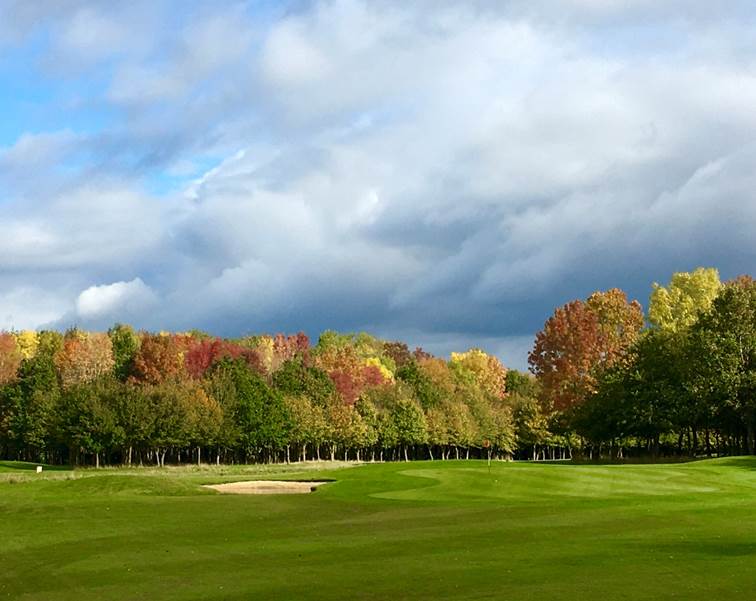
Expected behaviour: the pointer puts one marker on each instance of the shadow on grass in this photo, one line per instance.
(24, 466)
(710, 548)
(745, 461)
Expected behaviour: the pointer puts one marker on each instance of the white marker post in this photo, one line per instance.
(39, 469)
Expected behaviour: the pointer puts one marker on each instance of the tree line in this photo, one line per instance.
(126, 397)
(680, 382)
(606, 381)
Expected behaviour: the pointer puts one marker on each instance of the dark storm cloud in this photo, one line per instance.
(445, 176)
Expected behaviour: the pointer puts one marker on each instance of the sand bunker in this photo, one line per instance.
(265, 487)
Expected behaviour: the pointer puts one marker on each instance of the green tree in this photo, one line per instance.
(88, 423)
(409, 422)
(262, 421)
(125, 344)
(725, 341)
(295, 378)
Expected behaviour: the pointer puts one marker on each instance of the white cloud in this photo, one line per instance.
(115, 300)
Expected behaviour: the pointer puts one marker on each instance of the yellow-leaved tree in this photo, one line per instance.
(677, 306)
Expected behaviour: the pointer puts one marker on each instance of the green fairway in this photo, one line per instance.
(424, 530)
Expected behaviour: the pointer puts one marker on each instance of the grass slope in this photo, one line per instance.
(426, 530)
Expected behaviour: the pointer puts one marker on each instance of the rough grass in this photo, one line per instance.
(425, 530)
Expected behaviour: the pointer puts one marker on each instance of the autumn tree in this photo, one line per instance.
(580, 339)
(203, 353)
(678, 305)
(398, 352)
(159, 358)
(204, 417)
(27, 341)
(351, 374)
(84, 356)
(487, 371)
(10, 358)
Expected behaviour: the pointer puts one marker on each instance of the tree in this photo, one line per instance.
(39, 394)
(725, 341)
(430, 380)
(295, 378)
(205, 418)
(678, 305)
(619, 322)
(205, 352)
(259, 412)
(398, 352)
(351, 374)
(487, 371)
(158, 359)
(308, 425)
(133, 407)
(409, 424)
(27, 341)
(10, 358)
(84, 357)
(170, 419)
(125, 345)
(370, 426)
(579, 340)
(87, 422)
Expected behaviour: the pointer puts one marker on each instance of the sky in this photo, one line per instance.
(443, 173)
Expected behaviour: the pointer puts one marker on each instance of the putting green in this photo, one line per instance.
(424, 530)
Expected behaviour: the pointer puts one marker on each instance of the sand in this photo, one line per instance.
(265, 487)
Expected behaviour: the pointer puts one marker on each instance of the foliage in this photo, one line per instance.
(487, 371)
(84, 357)
(684, 385)
(10, 358)
(159, 358)
(581, 339)
(125, 343)
(677, 306)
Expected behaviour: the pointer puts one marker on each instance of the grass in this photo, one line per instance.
(425, 530)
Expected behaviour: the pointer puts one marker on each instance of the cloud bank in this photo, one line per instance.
(441, 173)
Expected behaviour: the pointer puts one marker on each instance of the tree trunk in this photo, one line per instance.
(199, 456)
(405, 453)
(97, 460)
(430, 452)
(304, 452)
